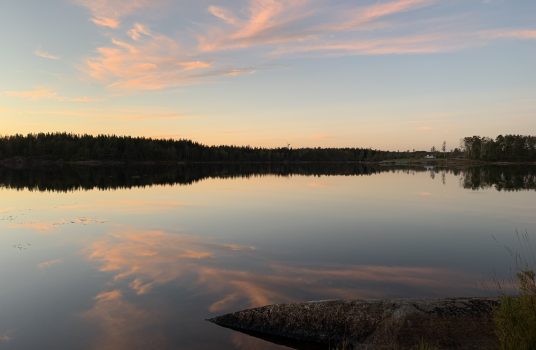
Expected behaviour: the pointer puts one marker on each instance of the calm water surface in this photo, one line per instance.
(93, 259)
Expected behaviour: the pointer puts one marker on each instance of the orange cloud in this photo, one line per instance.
(418, 44)
(147, 259)
(361, 17)
(46, 94)
(393, 7)
(106, 22)
(35, 94)
(266, 19)
(141, 59)
(143, 256)
(149, 62)
(109, 296)
(138, 31)
(195, 65)
(262, 16)
(106, 13)
(274, 22)
(223, 14)
(120, 322)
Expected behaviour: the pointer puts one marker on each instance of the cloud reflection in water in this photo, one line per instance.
(148, 259)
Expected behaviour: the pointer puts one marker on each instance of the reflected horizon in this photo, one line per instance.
(66, 178)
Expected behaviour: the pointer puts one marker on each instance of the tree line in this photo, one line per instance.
(503, 148)
(72, 147)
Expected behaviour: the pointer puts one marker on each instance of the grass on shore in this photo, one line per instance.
(515, 318)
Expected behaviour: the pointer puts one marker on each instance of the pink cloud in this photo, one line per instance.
(527, 34)
(106, 22)
(49, 263)
(138, 31)
(34, 94)
(149, 62)
(265, 19)
(142, 59)
(44, 54)
(418, 44)
(46, 94)
(107, 13)
(147, 259)
(223, 14)
(119, 323)
(269, 22)
(109, 296)
(393, 7)
(262, 16)
(364, 17)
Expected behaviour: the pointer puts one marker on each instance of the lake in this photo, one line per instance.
(139, 257)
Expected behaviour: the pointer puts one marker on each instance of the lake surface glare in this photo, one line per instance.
(131, 262)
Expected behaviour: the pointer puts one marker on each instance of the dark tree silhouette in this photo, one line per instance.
(503, 148)
(71, 147)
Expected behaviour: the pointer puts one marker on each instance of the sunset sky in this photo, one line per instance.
(390, 74)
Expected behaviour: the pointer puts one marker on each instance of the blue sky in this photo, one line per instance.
(395, 74)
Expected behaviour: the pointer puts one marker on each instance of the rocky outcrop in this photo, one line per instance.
(461, 323)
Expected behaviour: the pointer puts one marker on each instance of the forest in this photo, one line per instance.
(72, 147)
(503, 148)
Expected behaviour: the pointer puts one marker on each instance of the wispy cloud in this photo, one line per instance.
(527, 34)
(418, 44)
(144, 260)
(108, 13)
(44, 54)
(141, 58)
(46, 94)
(150, 61)
(279, 22)
(223, 14)
(34, 94)
(106, 22)
(138, 31)
(49, 263)
(391, 8)
(266, 23)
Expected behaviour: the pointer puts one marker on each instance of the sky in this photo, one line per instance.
(388, 74)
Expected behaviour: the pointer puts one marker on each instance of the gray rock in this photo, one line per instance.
(461, 323)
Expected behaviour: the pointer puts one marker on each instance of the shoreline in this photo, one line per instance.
(36, 162)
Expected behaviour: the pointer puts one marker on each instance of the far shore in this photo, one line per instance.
(20, 162)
